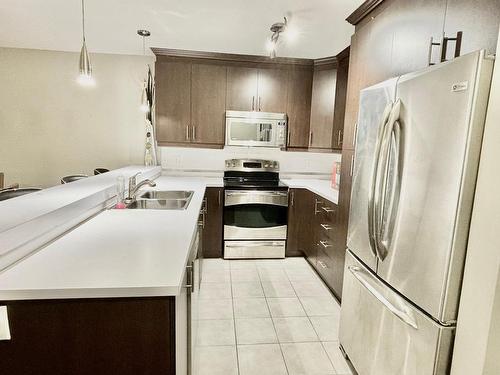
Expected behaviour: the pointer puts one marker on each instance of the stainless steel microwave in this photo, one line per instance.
(261, 129)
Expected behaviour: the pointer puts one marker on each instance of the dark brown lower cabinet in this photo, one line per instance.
(313, 232)
(126, 336)
(212, 231)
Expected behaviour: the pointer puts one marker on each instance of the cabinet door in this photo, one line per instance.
(90, 336)
(241, 94)
(299, 107)
(212, 232)
(340, 104)
(322, 104)
(418, 21)
(208, 103)
(272, 90)
(478, 20)
(173, 102)
(300, 241)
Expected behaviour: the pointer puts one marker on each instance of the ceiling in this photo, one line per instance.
(232, 26)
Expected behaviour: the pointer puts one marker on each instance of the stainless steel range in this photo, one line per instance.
(255, 210)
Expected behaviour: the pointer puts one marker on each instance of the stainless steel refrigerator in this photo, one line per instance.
(417, 152)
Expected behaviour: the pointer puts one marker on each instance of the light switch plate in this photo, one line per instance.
(4, 324)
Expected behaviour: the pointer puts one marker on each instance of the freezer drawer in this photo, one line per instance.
(383, 334)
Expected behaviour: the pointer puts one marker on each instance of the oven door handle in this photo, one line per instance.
(265, 198)
(256, 244)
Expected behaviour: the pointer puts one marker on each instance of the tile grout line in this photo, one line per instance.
(274, 326)
(314, 329)
(234, 322)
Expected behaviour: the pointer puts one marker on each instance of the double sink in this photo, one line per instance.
(162, 200)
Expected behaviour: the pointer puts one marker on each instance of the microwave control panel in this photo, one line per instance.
(281, 134)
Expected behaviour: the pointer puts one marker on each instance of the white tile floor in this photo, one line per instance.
(259, 317)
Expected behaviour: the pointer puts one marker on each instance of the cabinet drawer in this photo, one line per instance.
(325, 211)
(324, 266)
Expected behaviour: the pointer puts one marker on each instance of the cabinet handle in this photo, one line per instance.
(327, 209)
(4, 324)
(218, 198)
(355, 133)
(351, 168)
(310, 138)
(288, 138)
(322, 264)
(193, 132)
(187, 132)
(326, 226)
(189, 283)
(259, 104)
(317, 201)
(458, 45)
(325, 244)
(253, 103)
(292, 198)
(431, 45)
(339, 138)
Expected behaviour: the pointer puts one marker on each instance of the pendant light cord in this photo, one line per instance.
(83, 20)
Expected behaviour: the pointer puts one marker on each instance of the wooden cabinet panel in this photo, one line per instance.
(90, 336)
(322, 105)
(242, 86)
(300, 214)
(208, 103)
(272, 90)
(213, 229)
(340, 103)
(353, 85)
(173, 101)
(422, 19)
(299, 107)
(478, 20)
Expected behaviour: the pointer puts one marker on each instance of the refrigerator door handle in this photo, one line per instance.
(381, 188)
(374, 180)
(385, 233)
(375, 288)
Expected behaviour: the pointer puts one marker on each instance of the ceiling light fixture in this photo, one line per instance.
(85, 78)
(277, 28)
(145, 105)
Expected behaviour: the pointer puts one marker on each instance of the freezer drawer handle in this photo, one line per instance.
(361, 276)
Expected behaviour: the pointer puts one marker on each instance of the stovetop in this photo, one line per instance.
(252, 174)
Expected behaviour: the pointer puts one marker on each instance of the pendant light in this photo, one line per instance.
(85, 78)
(145, 105)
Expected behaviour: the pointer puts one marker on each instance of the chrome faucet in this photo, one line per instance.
(133, 187)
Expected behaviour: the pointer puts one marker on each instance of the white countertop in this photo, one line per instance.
(118, 253)
(321, 187)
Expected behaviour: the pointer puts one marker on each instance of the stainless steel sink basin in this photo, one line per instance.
(159, 204)
(167, 194)
(162, 200)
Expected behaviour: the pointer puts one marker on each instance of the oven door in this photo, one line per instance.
(255, 214)
(252, 132)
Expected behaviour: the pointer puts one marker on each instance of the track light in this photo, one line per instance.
(277, 28)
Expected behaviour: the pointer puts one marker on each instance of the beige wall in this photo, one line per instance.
(477, 344)
(51, 127)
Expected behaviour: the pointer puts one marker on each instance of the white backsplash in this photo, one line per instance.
(200, 159)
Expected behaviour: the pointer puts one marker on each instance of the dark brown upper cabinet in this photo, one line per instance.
(272, 90)
(190, 103)
(253, 89)
(340, 99)
(241, 92)
(322, 108)
(208, 103)
(478, 20)
(299, 107)
(173, 102)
